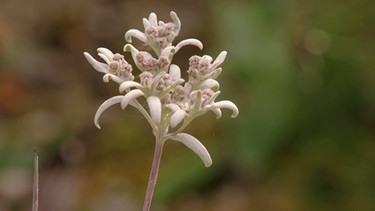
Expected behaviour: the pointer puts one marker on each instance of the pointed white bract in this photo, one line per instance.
(219, 60)
(195, 145)
(129, 84)
(175, 72)
(177, 117)
(154, 105)
(101, 67)
(225, 104)
(189, 42)
(108, 103)
(132, 95)
(135, 33)
(172, 102)
(209, 84)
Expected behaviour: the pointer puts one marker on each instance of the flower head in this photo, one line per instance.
(115, 66)
(172, 102)
(158, 35)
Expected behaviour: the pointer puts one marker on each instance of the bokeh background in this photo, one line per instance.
(301, 72)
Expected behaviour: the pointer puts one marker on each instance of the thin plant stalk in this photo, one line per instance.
(36, 182)
(153, 174)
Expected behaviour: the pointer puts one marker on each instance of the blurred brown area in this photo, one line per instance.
(301, 72)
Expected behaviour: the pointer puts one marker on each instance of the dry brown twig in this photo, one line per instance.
(36, 181)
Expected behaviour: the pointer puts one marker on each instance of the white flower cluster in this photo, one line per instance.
(172, 102)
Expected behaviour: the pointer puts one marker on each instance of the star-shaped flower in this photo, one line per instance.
(172, 102)
(115, 66)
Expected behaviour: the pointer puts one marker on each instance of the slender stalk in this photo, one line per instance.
(153, 174)
(36, 181)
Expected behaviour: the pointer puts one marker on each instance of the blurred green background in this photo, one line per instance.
(301, 72)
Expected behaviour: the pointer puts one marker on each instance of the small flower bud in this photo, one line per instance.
(113, 66)
(146, 79)
(206, 96)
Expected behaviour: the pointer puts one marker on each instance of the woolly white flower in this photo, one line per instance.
(115, 68)
(160, 35)
(172, 103)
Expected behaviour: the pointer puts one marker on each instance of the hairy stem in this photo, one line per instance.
(153, 173)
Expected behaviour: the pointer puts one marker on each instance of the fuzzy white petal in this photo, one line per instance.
(146, 23)
(154, 105)
(100, 67)
(132, 49)
(153, 19)
(104, 57)
(191, 41)
(175, 72)
(117, 79)
(213, 97)
(226, 104)
(217, 111)
(127, 85)
(219, 60)
(215, 73)
(108, 103)
(177, 118)
(195, 145)
(107, 77)
(134, 52)
(106, 52)
(135, 33)
(110, 76)
(133, 94)
(209, 84)
(173, 107)
(177, 23)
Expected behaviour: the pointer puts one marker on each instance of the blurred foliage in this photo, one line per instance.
(301, 73)
(305, 77)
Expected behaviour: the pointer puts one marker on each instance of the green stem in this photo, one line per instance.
(154, 173)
